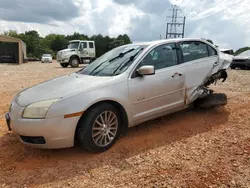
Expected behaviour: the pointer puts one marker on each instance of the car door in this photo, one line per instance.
(152, 95)
(200, 61)
(83, 49)
(91, 49)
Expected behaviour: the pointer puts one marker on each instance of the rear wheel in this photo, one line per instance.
(64, 65)
(74, 62)
(99, 128)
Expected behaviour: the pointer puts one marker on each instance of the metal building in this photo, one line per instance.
(12, 50)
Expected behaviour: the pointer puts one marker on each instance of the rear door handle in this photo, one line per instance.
(177, 73)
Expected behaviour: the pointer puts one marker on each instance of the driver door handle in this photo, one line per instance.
(177, 73)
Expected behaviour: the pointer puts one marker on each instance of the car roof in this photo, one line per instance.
(148, 43)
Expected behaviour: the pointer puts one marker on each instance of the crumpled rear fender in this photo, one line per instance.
(217, 73)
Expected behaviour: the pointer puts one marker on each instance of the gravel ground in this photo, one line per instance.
(192, 148)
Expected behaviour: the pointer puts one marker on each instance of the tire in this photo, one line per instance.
(93, 140)
(74, 62)
(211, 101)
(64, 65)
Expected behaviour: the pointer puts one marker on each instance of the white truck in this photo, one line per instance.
(78, 52)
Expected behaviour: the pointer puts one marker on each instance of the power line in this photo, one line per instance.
(219, 11)
(209, 6)
(205, 6)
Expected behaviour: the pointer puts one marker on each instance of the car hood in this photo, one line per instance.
(60, 88)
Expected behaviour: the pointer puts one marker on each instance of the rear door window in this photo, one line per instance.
(91, 45)
(193, 50)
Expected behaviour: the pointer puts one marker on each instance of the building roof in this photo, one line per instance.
(10, 38)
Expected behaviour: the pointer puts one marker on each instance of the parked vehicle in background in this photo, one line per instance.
(124, 87)
(78, 52)
(46, 58)
(241, 61)
(7, 58)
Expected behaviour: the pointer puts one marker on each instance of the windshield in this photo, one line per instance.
(114, 62)
(73, 45)
(245, 54)
(46, 55)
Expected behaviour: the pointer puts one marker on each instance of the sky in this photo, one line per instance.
(225, 22)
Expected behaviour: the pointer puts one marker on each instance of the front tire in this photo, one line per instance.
(74, 62)
(64, 65)
(99, 128)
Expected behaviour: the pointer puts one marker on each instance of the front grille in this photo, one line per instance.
(58, 55)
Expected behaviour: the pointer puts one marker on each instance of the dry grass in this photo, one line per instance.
(188, 149)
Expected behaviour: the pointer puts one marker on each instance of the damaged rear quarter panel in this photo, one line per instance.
(200, 71)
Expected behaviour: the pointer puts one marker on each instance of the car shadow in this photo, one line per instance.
(32, 163)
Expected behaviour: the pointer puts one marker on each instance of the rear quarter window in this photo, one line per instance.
(211, 51)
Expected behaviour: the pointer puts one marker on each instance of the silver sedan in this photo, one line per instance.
(126, 86)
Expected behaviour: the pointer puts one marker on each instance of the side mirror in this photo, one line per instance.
(146, 70)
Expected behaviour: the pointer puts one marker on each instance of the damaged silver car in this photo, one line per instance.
(126, 86)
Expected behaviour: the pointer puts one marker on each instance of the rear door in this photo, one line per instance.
(200, 61)
(91, 48)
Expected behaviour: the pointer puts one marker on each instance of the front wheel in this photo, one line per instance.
(99, 128)
(64, 65)
(74, 62)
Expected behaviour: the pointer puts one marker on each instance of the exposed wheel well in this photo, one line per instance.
(119, 107)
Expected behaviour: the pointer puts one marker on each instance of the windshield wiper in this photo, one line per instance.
(121, 55)
(131, 58)
(97, 67)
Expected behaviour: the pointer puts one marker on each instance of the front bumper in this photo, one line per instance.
(57, 132)
(66, 60)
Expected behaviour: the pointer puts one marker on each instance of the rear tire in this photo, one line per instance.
(74, 62)
(64, 65)
(99, 128)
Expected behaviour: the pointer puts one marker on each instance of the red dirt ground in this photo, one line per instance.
(192, 148)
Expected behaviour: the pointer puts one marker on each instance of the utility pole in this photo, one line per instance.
(176, 27)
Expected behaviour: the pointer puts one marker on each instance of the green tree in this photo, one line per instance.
(239, 51)
(37, 45)
(59, 43)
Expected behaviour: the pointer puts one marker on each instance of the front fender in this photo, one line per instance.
(82, 101)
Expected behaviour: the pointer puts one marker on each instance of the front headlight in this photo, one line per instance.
(38, 110)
